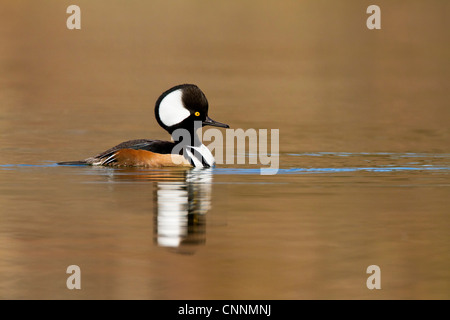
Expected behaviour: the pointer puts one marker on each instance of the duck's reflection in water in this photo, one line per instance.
(180, 211)
(182, 197)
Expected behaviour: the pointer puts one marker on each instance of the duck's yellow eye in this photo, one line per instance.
(197, 113)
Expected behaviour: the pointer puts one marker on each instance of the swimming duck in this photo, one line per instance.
(181, 110)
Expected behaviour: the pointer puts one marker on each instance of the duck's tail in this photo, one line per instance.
(73, 163)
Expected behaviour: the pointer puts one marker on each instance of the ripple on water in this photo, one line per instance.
(380, 162)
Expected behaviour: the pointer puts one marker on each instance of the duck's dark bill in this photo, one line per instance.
(210, 122)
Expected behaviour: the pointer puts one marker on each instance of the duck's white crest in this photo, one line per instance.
(171, 109)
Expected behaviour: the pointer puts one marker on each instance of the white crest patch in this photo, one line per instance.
(171, 109)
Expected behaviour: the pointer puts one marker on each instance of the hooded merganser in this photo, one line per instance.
(181, 107)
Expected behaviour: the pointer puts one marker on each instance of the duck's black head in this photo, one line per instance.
(180, 106)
